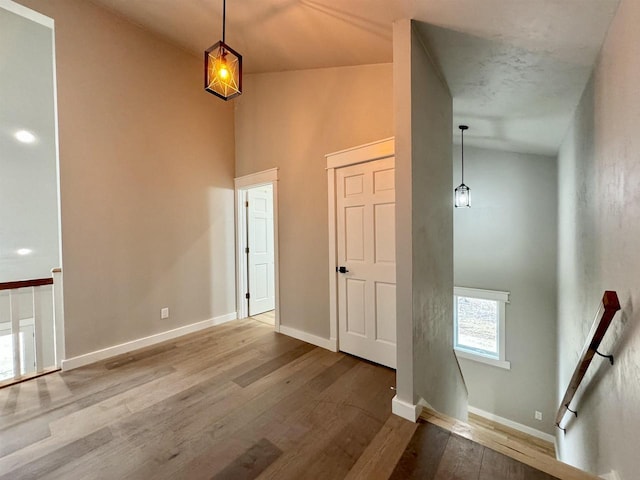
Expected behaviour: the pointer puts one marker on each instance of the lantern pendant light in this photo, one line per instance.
(462, 193)
(223, 67)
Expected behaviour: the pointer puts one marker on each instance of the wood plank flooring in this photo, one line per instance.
(436, 453)
(515, 448)
(237, 401)
(267, 317)
(544, 447)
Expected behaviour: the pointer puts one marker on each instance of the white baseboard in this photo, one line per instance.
(223, 319)
(328, 343)
(511, 424)
(103, 354)
(406, 410)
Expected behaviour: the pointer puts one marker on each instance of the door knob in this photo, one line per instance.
(342, 269)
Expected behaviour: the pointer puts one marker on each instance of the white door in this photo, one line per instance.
(365, 216)
(260, 255)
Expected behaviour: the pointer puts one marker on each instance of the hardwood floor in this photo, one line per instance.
(516, 448)
(436, 453)
(267, 317)
(544, 447)
(237, 401)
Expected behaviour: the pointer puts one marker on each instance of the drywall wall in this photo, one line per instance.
(291, 120)
(599, 227)
(402, 38)
(424, 229)
(146, 159)
(29, 179)
(507, 241)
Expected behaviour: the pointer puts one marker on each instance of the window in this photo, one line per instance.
(478, 325)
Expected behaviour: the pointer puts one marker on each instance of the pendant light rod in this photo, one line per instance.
(462, 129)
(224, 18)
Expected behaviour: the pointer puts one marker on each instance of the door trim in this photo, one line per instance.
(241, 185)
(364, 153)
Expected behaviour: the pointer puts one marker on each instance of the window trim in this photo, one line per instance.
(502, 298)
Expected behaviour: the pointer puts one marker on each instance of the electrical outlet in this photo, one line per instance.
(538, 415)
(164, 313)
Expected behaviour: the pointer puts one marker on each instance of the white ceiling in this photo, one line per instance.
(516, 68)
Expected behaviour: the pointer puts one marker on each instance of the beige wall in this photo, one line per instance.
(290, 120)
(599, 227)
(402, 36)
(427, 367)
(146, 159)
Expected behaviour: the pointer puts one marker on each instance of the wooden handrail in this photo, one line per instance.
(608, 308)
(36, 282)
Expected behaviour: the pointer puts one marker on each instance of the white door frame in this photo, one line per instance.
(242, 184)
(351, 156)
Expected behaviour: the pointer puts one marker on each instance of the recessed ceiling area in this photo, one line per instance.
(512, 98)
(515, 68)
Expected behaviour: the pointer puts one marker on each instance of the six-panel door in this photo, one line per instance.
(365, 216)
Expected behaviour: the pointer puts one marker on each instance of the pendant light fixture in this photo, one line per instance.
(462, 193)
(223, 67)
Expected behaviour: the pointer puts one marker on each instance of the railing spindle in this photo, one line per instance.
(15, 331)
(37, 327)
(15, 290)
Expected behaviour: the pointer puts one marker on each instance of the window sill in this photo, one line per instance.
(479, 358)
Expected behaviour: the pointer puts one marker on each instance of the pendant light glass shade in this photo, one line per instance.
(223, 71)
(223, 66)
(462, 194)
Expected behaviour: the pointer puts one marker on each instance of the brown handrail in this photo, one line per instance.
(608, 308)
(36, 282)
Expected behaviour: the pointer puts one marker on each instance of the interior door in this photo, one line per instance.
(365, 216)
(260, 255)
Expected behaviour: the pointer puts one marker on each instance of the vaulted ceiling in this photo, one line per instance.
(516, 68)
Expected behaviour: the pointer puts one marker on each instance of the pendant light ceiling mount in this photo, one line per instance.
(223, 66)
(462, 193)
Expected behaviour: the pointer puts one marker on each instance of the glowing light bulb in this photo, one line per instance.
(24, 251)
(223, 72)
